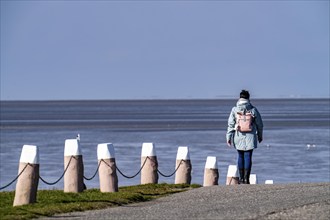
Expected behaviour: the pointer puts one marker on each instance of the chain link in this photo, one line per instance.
(97, 169)
(130, 177)
(171, 173)
(143, 166)
(1, 188)
(53, 183)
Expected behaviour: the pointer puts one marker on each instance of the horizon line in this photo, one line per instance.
(157, 99)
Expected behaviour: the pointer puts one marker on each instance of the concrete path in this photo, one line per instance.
(287, 201)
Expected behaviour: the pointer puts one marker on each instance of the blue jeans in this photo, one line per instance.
(244, 159)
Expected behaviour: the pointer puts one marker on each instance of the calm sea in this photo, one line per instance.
(290, 126)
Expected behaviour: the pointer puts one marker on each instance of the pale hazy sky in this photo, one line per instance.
(163, 49)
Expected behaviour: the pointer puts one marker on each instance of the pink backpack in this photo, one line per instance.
(244, 121)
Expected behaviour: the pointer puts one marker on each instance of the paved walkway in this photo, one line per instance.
(287, 201)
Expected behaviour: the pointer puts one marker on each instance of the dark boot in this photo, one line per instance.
(241, 179)
(247, 176)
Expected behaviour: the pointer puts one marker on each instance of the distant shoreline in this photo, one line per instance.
(162, 99)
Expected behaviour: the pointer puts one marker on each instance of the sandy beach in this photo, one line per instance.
(278, 201)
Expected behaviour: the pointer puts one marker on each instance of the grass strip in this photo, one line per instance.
(51, 202)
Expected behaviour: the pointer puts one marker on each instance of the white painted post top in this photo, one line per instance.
(148, 150)
(269, 182)
(72, 147)
(105, 151)
(253, 179)
(183, 153)
(211, 163)
(30, 154)
(232, 171)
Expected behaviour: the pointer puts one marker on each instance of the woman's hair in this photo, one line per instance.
(244, 94)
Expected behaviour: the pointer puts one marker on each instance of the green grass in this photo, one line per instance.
(50, 202)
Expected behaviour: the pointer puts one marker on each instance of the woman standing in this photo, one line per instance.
(245, 129)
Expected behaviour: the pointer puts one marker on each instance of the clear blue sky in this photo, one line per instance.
(166, 49)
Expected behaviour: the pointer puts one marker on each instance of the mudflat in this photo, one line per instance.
(278, 201)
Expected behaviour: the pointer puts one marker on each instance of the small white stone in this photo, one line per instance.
(269, 182)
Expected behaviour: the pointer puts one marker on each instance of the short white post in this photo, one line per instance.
(232, 175)
(253, 179)
(211, 173)
(183, 173)
(74, 176)
(269, 182)
(107, 168)
(149, 162)
(27, 183)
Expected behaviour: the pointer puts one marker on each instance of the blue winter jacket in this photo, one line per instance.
(244, 140)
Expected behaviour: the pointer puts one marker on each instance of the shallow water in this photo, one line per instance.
(290, 125)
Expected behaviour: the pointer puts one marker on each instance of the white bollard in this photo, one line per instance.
(253, 179)
(74, 176)
(211, 173)
(269, 182)
(149, 172)
(232, 175)
(27, 182)
(183, 174)
(107, 168)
